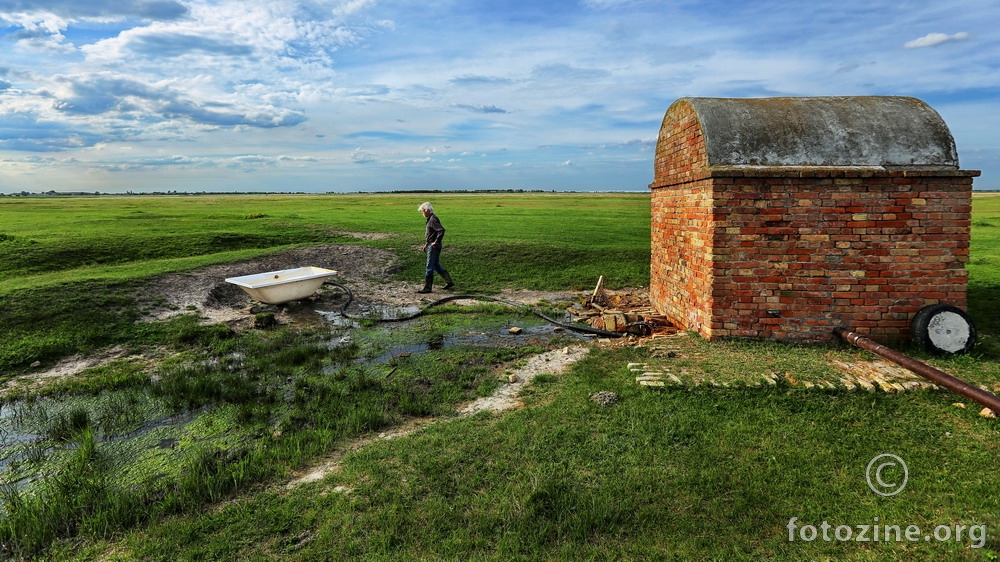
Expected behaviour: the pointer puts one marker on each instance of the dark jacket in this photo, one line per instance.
(435, 232)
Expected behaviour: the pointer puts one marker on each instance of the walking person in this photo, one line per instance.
(432, 247)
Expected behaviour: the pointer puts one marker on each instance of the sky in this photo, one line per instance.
(376, 95)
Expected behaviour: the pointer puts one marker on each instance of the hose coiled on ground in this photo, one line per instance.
(635, 328)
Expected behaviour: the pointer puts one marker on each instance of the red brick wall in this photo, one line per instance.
(681, 267)
(680, 149)
(795, 256)
(791, 253)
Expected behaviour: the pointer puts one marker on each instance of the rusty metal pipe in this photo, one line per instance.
(936, 376)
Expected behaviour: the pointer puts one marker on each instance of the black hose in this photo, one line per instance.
(635, 328)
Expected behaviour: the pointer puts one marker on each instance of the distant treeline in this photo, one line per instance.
(53, 193)
(98, 193)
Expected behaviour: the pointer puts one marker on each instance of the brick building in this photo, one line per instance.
(782, 218)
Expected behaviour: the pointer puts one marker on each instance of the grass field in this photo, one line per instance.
(686, 473)
(51, 241)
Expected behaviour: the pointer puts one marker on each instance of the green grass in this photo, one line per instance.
(984, 272)
(685, 473)
(249, 408)
(44, 242)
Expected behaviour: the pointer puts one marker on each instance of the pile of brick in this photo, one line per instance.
(622, 312)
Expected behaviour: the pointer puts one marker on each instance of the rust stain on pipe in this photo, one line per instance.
(936, 376)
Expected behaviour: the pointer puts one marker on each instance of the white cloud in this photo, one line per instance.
(351, 7)
(97, 10)
(574, 90)
(935, 39)
(361, 156)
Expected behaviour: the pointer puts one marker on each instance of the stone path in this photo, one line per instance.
(867, 375)
(674, 363)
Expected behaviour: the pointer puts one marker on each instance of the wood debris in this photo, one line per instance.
(622, 312)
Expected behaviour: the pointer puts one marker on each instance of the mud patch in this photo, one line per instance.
(205, 291)
(365, 271)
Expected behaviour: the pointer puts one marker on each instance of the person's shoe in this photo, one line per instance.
(447, 279)
(428, 281)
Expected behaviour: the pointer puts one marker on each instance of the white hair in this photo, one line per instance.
(425, 207)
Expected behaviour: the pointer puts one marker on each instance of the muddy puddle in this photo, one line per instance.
(502, 337)
(337, 319)
(400, 339)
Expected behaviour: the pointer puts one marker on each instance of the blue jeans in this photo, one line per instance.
(434, 261)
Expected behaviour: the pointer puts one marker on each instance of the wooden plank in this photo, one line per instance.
(597, 289)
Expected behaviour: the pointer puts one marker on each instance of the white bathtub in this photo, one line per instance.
(276, 287)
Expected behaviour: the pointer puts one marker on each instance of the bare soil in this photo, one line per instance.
(366, 272)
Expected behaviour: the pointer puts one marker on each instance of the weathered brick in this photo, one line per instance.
(822, 246)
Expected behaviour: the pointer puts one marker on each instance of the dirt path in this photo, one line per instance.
(505, 398)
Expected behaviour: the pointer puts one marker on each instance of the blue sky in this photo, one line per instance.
(370, 95)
